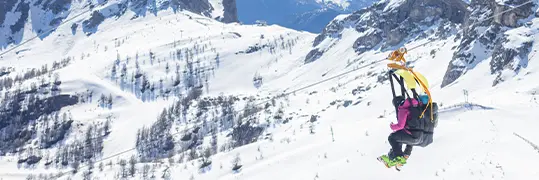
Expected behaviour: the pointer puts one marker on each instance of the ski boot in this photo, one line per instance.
(385, 159)
(398, 162)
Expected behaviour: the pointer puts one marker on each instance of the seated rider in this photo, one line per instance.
(410, 130)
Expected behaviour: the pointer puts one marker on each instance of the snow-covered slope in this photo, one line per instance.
(193, 50)
(221, 86)
(346, 4)
(20, 18)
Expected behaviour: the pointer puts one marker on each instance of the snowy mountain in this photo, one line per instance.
(176, 94)
(306, 15)
(46, 15)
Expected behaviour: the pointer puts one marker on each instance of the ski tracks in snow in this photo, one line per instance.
(278, 156)
(528, 141)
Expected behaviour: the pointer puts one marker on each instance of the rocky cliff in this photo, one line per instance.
(388, 24)
(490, 33)
(230, 11)
(498, 31)
(15, 14)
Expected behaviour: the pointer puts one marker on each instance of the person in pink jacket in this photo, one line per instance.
(400, 134)
(411, 129)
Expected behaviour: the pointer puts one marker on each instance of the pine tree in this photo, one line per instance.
(145, 171)
(177, 80)
(124, 71)
(206, 157)
(75, 166)
(87, 175)
(98, 145)
(102, 100)
(57, 79)
(106, 126)
(123, 171)
(101, 167)
(109, 101)
(151, 57)
(161, 91)
(214, 141)
(90, 164)
(152, 171)
(90, 95)
(332, 137)
(145, 84)
(217, 60)
(152, 91)
(132, 167)
(171, 160)
(88, 143)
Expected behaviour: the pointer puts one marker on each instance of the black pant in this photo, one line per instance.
(396, 140)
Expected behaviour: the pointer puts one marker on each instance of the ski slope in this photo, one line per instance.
(476, 143)
(487, 151)
(469, 143)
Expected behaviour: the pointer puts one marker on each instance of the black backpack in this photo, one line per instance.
(424, 125)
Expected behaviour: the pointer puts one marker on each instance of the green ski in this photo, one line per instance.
(398, 162)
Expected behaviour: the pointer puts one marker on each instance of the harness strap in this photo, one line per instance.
(391, 81)
(403, 89)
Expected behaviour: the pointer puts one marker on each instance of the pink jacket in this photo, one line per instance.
(402, 115)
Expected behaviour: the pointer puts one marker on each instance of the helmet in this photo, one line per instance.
(424, 99)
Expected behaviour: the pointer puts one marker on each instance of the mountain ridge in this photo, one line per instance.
(48, 15)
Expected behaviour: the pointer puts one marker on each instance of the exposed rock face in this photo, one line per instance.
(231, 11)
(368, 41)
(313, 55)
(481, 33)
(5, 7)
(510, 57)
(200, 6)
(90, 25)
(386, 26)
